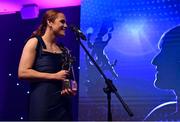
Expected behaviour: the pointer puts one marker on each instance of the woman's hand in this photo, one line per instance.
(61, 75)
(67, 91)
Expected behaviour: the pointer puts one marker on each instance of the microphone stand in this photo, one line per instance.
(110, 88)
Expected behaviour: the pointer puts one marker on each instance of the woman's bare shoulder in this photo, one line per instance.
(31, 43)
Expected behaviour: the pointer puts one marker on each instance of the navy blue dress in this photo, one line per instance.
(46, 103)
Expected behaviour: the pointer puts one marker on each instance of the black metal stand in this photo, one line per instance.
(110, 86)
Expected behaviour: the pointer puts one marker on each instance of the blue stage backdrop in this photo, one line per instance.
(123, 38)
(14, 33)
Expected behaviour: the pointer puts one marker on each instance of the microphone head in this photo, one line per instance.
(77, 32)
(73, 27)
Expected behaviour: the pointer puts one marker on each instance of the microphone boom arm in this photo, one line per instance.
(110, 88)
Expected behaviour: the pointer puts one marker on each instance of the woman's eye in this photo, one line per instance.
(62, 21)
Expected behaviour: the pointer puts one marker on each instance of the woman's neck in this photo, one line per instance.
(49, 37)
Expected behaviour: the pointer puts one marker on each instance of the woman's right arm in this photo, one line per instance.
(25, 70)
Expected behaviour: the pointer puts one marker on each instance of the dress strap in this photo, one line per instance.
(39, 46)
(40, 40)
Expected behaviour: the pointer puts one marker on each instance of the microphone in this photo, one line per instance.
(78, 32)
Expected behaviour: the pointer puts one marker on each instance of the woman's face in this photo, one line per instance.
(59, 25)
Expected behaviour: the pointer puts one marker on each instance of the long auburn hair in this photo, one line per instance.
(50, 15)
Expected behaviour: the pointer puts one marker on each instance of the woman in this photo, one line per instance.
(42, 64)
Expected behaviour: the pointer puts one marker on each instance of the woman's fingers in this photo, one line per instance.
(67, 92)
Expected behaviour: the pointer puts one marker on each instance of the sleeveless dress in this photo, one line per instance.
(46, 103)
